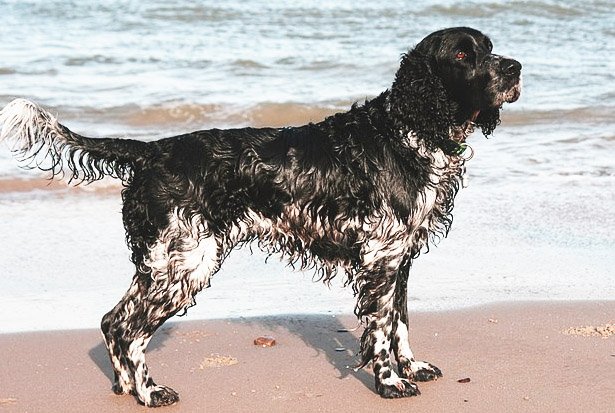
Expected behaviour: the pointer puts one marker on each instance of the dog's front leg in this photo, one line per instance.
(377, 292)
(407, 366)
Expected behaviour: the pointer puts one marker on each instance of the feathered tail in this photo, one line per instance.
(38, 140)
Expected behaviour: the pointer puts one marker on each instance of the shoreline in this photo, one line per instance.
(40, 182)
(66, 262)
(519, 356)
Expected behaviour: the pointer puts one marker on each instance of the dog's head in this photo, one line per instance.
(474, 77)
(452, 77)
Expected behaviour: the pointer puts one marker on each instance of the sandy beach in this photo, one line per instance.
(511, 357)
(533, 231)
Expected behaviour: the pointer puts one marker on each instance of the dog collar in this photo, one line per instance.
(459, 135)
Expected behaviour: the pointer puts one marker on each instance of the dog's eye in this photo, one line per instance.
(460, 55)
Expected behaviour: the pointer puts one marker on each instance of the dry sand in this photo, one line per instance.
(518, 357)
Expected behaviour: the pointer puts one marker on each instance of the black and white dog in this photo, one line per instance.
(361, 193)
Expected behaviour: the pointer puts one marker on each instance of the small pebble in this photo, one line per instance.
(264, 341)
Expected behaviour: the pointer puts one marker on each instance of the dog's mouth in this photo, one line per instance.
(510, 95)
(461, 132)
(474, 116)
(513, 93)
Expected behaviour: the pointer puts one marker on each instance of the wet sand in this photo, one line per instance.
(512, 357)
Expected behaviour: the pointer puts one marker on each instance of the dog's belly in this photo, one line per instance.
(304, 241)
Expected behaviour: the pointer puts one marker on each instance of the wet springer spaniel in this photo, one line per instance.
(361, 193)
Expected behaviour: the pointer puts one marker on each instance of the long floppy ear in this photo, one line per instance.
(419, 103)
(488, 120)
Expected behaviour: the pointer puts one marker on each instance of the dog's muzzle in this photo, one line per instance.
(510, 70)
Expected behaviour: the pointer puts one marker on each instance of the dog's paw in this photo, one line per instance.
(162, 396)
(422, 371)
(393, 388)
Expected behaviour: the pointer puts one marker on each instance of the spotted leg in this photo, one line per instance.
(127, 330)
(377, 284)
(113, 335)
(407, 366)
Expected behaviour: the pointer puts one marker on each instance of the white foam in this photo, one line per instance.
(64, 264)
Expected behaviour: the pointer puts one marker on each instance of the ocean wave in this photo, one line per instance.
(277, 114)
(31, 184)
(580, 115)
(248, 64)
(535, 8)
(96, 59)
(204, 115)
(181, 115)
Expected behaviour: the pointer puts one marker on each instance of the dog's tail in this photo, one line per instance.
(38, 140)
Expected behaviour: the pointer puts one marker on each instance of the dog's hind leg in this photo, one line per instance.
(179, 264)
(113, 326)
(127, 330)
(407, 366)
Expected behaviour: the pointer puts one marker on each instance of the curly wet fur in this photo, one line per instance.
(361, 193)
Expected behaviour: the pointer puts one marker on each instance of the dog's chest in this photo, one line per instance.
(437, 195)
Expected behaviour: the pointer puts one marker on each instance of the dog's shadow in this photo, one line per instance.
(327, 335)
(98, 354)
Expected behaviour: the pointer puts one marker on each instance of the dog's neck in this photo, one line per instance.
(460, 133)
(457, 132)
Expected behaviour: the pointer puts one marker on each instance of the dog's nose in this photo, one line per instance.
(511, 67)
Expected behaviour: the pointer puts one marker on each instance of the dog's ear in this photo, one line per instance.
(419, 103)
(488, 120)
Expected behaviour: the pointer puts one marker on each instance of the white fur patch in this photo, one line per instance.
(136, 353)
(403, 345)
(420, 365)
(394, 381)
(185, 250)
